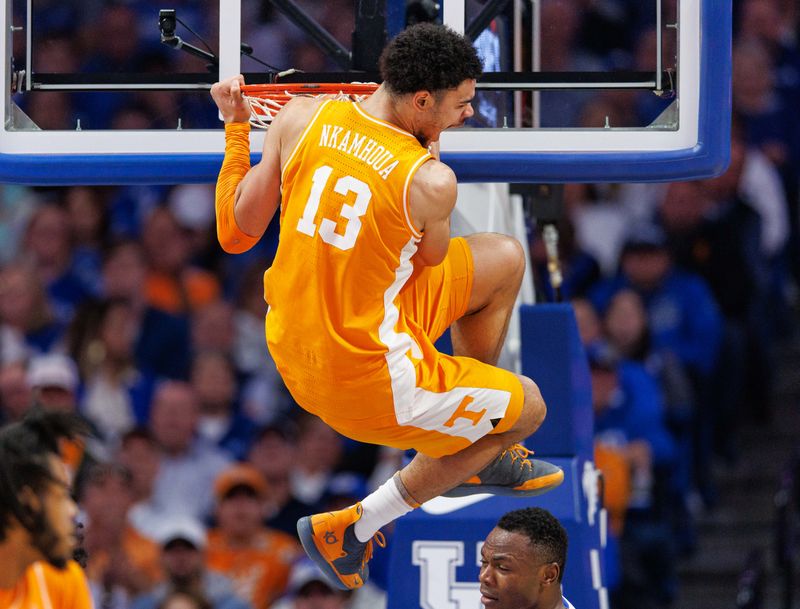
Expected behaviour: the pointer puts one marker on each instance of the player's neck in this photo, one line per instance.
(551, 600)
(16, 555)
(383, 106)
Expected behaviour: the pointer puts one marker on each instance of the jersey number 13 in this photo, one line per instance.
(352, 213)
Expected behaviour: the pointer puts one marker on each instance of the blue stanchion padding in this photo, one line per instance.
(552, 355)
(436, 549)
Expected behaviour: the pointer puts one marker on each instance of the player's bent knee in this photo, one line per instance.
(511, 254)
(501, 256)
(534, 409)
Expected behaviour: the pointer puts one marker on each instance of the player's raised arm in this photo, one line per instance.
(432, 197)
(246, 198)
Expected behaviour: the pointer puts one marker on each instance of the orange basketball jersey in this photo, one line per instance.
(45, 587)
(346, 243)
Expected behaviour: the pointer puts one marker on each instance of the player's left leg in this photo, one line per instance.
(464, 440)
(498, 265)
(471, 445)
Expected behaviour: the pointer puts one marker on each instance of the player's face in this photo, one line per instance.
(59, 512)
(455, 107)
(450, 109)
(511, 575)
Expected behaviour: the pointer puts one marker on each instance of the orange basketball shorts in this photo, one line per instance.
(435, 403)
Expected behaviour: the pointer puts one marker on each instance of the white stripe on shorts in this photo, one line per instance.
(432, 410)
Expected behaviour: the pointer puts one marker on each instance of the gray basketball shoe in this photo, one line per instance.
(512, 473)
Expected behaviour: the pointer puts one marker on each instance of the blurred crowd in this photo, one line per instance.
(117, 302)
(684, 293)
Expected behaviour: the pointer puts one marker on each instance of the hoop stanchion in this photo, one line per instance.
(267, 100)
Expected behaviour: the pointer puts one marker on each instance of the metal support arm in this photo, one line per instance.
(489, 11)
(177, 43)
(321, 37)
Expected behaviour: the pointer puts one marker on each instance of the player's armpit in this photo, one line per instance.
(432, 196)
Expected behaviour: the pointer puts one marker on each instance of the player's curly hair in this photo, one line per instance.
(25, 448)
(543, 530)
(428, 57)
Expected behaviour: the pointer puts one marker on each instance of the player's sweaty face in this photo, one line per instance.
(456, 105)
(451, 109)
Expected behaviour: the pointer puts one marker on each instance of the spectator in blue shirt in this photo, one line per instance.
(162, 340)
(683, 316)
(684, 321)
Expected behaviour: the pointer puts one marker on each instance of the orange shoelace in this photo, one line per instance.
(519, 452)
(377, 538)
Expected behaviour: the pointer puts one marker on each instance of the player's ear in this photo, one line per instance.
(30, 499)
(549, 574)
(422, 100)
(29, 503)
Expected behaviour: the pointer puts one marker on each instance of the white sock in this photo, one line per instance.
(380, 508)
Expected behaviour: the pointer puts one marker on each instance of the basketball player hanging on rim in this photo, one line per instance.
(366, 278)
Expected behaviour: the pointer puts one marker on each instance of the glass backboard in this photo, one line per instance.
(102, 92)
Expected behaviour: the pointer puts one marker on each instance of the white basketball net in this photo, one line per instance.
(264, 109)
